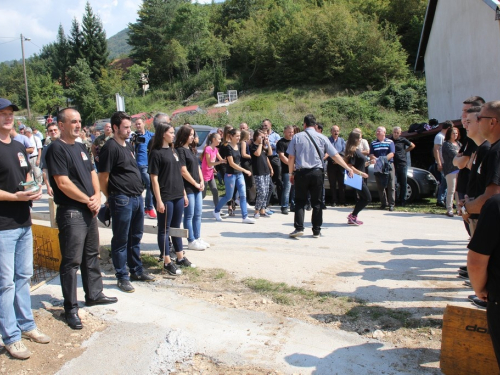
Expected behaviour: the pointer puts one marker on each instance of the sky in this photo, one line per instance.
(39, 20)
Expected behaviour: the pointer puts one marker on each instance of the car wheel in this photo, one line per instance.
(411, 191)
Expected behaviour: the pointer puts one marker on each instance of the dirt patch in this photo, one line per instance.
(207, 366)
(65, 345)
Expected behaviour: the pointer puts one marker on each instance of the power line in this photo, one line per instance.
(34, 44)
(10, 41)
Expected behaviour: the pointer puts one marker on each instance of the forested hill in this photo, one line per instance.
(118, 45)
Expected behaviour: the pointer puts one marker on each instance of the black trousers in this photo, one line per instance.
(79, 242)
(336, 176)
(493, 316)
(364, 198)
(309, 181)
(275, 194)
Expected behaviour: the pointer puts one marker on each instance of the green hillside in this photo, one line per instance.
(118, 45)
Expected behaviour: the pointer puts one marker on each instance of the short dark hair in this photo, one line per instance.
(447, 124)
(320, 126)
(117, 119)
(310, 120)
(474, 99)
(61, 116)
(474, 109)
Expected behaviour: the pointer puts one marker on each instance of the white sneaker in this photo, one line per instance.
(195, 245)
(18, 350)
(37, 336)
(256, 216)
(206, 244)
(217, 215)
(248, 220)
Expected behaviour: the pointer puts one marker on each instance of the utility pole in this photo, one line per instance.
(25, 77)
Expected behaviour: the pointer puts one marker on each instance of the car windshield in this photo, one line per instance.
(202, 135)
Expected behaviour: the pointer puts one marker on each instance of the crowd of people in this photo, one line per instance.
(258, 168)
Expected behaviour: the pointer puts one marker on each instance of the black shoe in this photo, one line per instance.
(101, 300)
(172, 269)
(323, 206)
(479, 303)
(308, 207)
(73, 320)
(334, 204)
(463, 274)
(185, 263)
(463, 268)
(316, 234)
(382, 207)
(440, 204)
(471, 297)
(391, 208)
(467, 283)
(125, 286)
(292, 208)
(284, 211)
(142, 277)
(296, 233)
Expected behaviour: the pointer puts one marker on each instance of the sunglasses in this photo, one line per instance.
(479, 117)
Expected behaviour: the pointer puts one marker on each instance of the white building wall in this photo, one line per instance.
(462, 57)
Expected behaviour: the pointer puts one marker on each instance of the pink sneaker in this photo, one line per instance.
(353, 220)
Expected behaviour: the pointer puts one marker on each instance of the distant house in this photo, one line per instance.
(459, 52)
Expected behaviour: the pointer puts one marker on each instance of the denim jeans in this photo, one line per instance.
(127, 223)
(192, 215)
(170, 219)
(148, 203)
(285, 194)
(79, 243)
(16, 269)
(441, 193)
(402, 178)
(232, 182)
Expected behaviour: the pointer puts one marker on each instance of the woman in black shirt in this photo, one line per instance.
(168, 194)
(260, 149)
(233, 179)
(356, 160)
(193, 185)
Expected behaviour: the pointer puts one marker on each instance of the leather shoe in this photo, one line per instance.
(73, 320)
(101, 300)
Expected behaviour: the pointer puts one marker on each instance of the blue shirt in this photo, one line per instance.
(383, 148)
(273, 140)
(305, 152)
(339, 144)
(141, 149)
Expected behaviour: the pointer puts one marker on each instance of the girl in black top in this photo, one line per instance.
(193, 185)
(260, 149)
(224, 152)
(356, 160)
(168, 194)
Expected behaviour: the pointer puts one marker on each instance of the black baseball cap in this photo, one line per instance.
(4, 103)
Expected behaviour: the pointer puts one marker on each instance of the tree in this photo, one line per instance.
(61, 58)
(94, 47)
(83, 91)
(75, 42)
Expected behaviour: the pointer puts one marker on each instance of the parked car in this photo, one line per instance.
(40, 119)
(420, 184)
(202, 131)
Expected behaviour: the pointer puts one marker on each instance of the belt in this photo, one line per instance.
(309, 169)
(31, 157)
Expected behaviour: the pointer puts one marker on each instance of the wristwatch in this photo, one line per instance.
(464, 210)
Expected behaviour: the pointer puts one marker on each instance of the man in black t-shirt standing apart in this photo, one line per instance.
(121, 183)
(16, 241)
(281, 148)
(401, 146)
(76, 192)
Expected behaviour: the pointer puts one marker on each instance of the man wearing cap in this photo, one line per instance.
(16, 241)
(77, 194)
(35, 155)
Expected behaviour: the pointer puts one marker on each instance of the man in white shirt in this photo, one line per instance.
(35, 155)
(438, 157)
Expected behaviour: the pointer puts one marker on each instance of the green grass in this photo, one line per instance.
(150, 261)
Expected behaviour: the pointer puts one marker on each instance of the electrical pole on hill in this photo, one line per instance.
(25, 78)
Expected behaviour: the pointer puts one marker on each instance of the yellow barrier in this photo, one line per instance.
(46, 253)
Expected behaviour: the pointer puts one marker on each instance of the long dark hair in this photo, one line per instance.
(160, 131)
(351, 145)
(227, 128)
(182, 135)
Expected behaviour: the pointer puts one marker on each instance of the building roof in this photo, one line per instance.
(427, 27)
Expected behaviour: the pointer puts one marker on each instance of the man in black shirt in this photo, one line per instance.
(281, 148)
(16, 241)
(483, 264)
(401, 146)
(76, 192)
(121, 183)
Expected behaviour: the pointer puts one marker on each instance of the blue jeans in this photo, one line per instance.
(233, 181)
(127, 223)
(170, 219)
(16, 269)
(285, 194)
(148, 203)
(441, 193)
(402, 178)
(192, 215)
